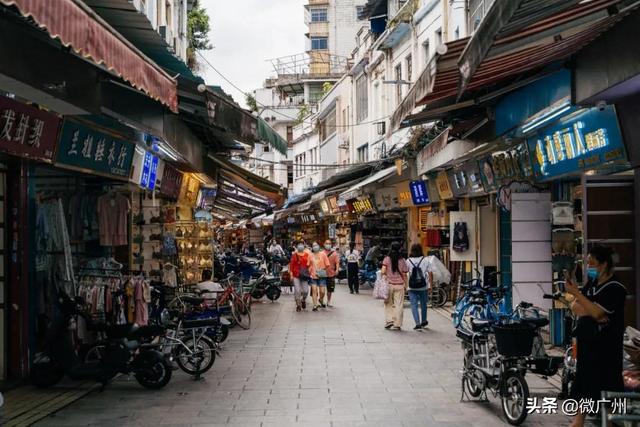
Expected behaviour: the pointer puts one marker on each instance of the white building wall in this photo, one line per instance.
(343, 26)
(171, 19)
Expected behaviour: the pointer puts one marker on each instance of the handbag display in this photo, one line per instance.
(562, 213)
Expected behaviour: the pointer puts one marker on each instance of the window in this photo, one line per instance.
(319, 15)
(360, 13)
(319, 43)
(328, 125)
(363, 153)
(267, 148)
(398, 71)
(290, 134)
(438, 37)
(457, 33)
(289, 174)
(362, 98)
(408, 61)
(427, 53)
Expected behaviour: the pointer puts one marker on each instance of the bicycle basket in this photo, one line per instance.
(514, 339)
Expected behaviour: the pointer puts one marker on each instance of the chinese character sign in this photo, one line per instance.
(26, 131)
(149, 171)
(88, 148)
(419, 192)
(582, 141)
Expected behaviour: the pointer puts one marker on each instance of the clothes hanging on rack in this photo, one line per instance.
(169, 276)
(53, 250)
(113, 209)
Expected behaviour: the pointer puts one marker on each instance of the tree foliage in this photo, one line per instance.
(251, 102)
(198, 28)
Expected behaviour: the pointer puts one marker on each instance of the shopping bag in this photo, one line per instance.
(381, 288)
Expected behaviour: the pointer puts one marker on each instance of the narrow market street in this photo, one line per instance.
(336, 367)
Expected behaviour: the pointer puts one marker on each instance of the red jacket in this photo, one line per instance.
(298, 260)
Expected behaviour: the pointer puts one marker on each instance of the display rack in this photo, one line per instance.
(195, 249)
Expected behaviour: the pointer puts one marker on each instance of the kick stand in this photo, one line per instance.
(483, 397)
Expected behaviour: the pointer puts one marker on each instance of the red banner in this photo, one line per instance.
(26, 131)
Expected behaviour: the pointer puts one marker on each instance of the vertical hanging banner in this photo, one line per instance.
(89, 149)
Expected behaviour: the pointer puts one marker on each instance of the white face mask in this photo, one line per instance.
(327, 247)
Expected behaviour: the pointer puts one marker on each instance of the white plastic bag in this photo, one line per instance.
(440, 273)
(381, 288)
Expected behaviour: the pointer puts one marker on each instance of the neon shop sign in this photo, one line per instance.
(587, 141)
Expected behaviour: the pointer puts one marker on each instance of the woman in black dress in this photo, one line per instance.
(599, 307)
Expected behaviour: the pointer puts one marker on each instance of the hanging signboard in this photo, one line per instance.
(474, 180)
(386, 198)
(26, 131)
(404, 194)
(85, 148)
(580, 141)
(149, 171)
(458, 181)
(324, 206)
(487, 174)
(363, 205)
(171, 181)
(419, 193)
(444, 189)
(189, 191)
(430, 151)
(333, 204)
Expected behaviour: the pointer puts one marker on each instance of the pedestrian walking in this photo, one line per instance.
(299, 269)
(319, 265)
(394, 268)
(420, 280)
(599, 331)
(276, 254)
(353, 258)
(333, 270)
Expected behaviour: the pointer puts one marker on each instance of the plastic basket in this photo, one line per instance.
(514, 339)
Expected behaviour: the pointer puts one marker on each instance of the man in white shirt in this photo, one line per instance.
(353, 258)
(276, 253)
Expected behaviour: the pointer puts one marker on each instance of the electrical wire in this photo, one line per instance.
(268, 107)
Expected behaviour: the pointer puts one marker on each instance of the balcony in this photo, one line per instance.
(320, 29)
(317, 3)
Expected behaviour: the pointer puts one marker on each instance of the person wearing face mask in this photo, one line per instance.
(276, 253)
(319, 266)
(332, 271)
(353, 258)
(599, 308)
(299, 269)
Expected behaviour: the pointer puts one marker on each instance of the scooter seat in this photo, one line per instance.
(538, 322)
(479, 325)
(151, 331)
(199, 323)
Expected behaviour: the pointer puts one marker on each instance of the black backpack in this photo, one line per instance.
(417, 279)
(460, 237)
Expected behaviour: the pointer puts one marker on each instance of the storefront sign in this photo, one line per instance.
(324, 206)
(583, 140)
(487, 174)
(444, 189)
(171, 181)
(83, 147)
(333, 204)
(474, 180)
(419, 193)
(26, 131)
(458, 181)
(404, 194)
(189, 191)
(206, 198)
(363, 205)
(149, 171)
(386, 198)
(428, 152)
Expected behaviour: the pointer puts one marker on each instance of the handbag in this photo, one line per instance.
(321, 273)
(304, 271)
(381, 288)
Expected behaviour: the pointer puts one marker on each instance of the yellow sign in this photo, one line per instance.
(362, 206)
(404, 194)
(444, 189)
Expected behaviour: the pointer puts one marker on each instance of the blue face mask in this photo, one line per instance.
(592, 273)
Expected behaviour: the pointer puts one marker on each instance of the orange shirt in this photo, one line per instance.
(334, 263)
(319, 261)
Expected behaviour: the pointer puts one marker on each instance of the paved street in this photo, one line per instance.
(337, 367)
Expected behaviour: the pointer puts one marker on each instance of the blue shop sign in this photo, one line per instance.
(149, 171)
(419, 193)
(82, 147)
(580, 141)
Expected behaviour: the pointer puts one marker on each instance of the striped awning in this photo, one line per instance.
(524, 46)
(78, 27)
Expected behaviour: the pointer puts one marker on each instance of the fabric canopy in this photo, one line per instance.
(78, 27)
(268, 135)
(354, 192)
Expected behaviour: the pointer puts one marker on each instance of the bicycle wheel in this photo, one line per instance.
(514, 398)
(240, 314)
(438, 297)
(196, 357)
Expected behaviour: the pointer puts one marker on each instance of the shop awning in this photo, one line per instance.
(356, 190)
(80, 28)
(268, 135)
(533, 37)
(254, 185)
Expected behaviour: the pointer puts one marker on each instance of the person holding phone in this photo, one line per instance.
(599, 308)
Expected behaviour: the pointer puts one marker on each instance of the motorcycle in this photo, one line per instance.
(121, 352)
(264, 285)
(368, 274)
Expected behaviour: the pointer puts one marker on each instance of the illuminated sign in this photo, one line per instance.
(584, 140)
(149, 171)
(419, 192)
(363, 205)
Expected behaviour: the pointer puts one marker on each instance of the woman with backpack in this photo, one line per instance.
(394, 268)
(299, 268)
(420, 280)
